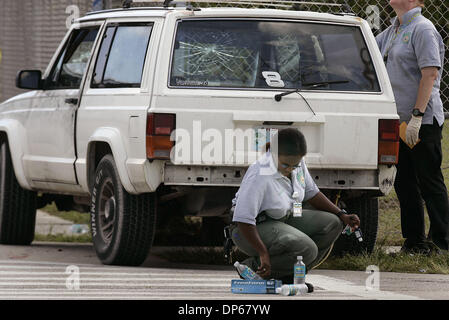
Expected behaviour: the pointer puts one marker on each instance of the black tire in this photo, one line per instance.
(368, 211)
(17, 205)
(123, 225)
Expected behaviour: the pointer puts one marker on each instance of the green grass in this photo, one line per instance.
(82, 238)
(74, 216)
(399, 262)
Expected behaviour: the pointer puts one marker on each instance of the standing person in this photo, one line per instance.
(272, 191)
(413, 52)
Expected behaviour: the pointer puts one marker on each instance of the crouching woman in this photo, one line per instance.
(271, 226)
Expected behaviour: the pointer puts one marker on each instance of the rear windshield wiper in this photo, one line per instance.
(306, 86)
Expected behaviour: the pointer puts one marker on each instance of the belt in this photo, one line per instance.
(262, 217)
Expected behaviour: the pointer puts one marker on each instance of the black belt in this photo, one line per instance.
(262, 217)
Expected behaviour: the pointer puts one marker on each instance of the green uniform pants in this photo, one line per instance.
(309, 236)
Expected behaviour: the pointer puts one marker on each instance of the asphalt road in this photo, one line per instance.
(72, 271)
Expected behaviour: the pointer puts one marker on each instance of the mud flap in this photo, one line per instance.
(387, 176)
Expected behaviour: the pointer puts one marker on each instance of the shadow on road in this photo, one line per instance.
(84, 253)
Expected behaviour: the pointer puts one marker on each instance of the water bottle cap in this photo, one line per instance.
(299, 257)
(236, 264)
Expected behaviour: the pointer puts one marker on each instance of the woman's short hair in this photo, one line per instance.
(290, 142)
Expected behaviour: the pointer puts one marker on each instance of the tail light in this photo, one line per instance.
(388, 141)
(159, 129)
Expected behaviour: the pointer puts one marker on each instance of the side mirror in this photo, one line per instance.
(29, 79)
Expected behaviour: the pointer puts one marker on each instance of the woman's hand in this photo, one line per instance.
(352, 220)
(252, 236)
(265, 266)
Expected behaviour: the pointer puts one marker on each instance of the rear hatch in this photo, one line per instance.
(225, 73)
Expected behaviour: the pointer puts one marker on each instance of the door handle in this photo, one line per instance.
(73, 101)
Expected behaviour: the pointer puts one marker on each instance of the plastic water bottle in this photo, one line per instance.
(347, 230)
(299, 272)
(246, 272)
(287, 290)
(358, 234)
(79, 228)
(292, 289)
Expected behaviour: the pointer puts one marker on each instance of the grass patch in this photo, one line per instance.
(389, 231)
(82, 238)
(396, 262)
(74, 216)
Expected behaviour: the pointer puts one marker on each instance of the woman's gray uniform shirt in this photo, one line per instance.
(418, 45)
(264, 189)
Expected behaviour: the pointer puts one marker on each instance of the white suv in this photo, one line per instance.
(144, 109)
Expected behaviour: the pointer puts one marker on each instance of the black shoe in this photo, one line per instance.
(434, 249)
(423, 247)
(309, 287)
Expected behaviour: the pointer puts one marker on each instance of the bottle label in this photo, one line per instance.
(249, 274)
(293, 290)
(347, 230)
(300, 272)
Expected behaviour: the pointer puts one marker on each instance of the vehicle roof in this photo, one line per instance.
(222, 12)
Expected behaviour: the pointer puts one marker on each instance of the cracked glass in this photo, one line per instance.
(239, 53)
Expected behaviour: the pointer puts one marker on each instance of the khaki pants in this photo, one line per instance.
(309, 236)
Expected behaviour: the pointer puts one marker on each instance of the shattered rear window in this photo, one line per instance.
(242, 53)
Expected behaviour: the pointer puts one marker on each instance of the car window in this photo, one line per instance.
(121, 57)
(71, 65)
(265, 54)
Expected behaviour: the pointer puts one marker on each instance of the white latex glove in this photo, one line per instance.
(412, 133)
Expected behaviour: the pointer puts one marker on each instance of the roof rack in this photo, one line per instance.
(345, 8)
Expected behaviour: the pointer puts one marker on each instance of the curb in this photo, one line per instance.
(47, 224)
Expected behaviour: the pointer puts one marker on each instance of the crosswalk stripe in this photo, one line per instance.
(47, 281)
(332, 284)
(85, 280)
(155, 274)
(112, 284)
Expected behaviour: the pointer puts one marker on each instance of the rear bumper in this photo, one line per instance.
(380, 179)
